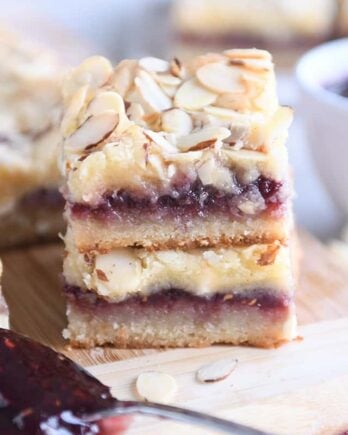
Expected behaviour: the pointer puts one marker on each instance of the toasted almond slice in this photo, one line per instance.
(228, 114)
(161, 141)
(191, 95)
(135, 112)
(154, 64)
(204, 59)
(93, 130)
(176, 68)
(220, 78)
(123, 77)
(216, 371)
(177, 121)
(94, 71)
(251, 53)
(156, 387)
(184, 143)
(151, 92)
(104, 101)
(190, 157)
(262, 65)
(167, 79)
(233, 101)
(169, 90)
(244, 155)
(71, 116)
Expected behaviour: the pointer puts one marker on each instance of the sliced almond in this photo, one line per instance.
(161, 141)
(177, 121)
(216, 371)
(228, 114)
(151, 92)
(250, 53)
(257, 65)
(191, 95)
(135, 112)
(156, 387)
(168, 79)
(94, 71)
(169, 90)
(92, 131)
(72, 114)
(154, 64)
(234, 101)
(204, 59)
(184, 143)
(123, 77)
(176, 68)
(244, 155)
(190, 157)
(119, 271)
(105, 101)
(220, 78)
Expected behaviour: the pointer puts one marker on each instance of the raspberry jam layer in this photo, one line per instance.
(172, 299)
(43, 392)
(269, 197)
(50, 198)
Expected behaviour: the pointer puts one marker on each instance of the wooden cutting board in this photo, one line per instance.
(300, 388)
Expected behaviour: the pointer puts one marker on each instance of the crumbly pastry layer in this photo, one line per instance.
(4, 317)
(120, 273)
(30, 111)
(36, 217)
(176, 319)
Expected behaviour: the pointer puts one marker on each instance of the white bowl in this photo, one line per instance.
(326, 115)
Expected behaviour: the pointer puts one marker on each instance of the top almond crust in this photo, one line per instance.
(158, 118)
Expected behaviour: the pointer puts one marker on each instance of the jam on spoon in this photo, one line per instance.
(43, 392)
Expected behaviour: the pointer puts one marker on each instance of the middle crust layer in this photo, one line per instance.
(125, 272)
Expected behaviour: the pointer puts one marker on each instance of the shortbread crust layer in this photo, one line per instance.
(174, 318)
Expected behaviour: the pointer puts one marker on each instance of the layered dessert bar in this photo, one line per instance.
(178, 202)
(30, 112)
(287, 28)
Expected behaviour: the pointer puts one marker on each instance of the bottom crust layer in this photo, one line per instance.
(174, 318)
(37, 217)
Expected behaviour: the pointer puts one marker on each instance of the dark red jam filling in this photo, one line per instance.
(43, 392)
(339, 87)
(185, 201)
(166, 300)
(50, 198)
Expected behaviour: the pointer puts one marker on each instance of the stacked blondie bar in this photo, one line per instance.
(30, 113)
(178, 203)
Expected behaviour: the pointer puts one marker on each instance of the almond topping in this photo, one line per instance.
(71, 117)
(216, 371)
(106, 101)
(152, 94)
(123, 77)
(94, 71)
(251, 53)
(93, 130)
(161, 141)
(177, 121)
(167, 79)
(191, 95)
(187, 142)
(156, 387)
(220, 78)
(154, 64)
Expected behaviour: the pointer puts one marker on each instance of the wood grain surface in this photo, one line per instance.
(300, 388)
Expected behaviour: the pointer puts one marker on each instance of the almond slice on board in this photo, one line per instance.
(156, 387)
(216, 371)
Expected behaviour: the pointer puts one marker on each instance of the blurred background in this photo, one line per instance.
(163, 28)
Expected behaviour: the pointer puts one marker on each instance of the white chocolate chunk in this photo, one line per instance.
(117, 272)
(154, 64)
(220, 78)
(93, 131)
(156, 387)
(212, 133)
(177, 121)
(216, 371)
(192, 96)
